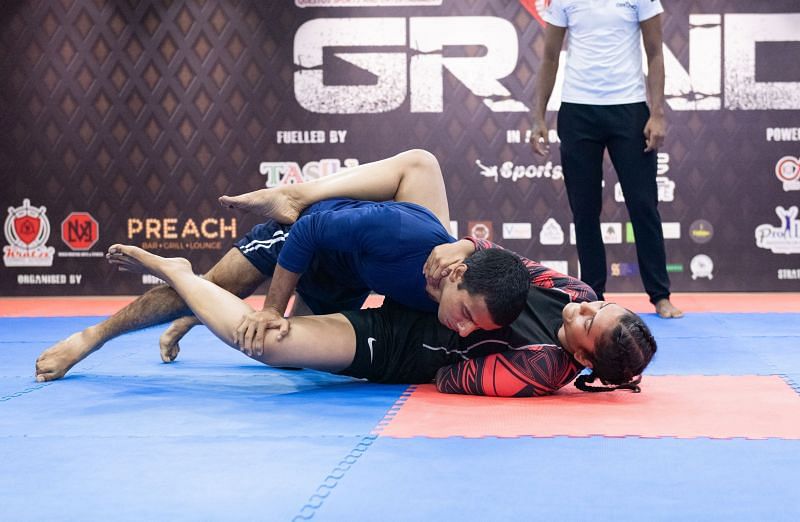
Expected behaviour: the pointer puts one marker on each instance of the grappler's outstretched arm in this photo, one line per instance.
(413, 176)
(525, 372)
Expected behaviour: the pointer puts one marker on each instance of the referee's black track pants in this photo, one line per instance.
(585, 132)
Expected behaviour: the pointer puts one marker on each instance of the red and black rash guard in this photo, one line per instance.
(536, 365)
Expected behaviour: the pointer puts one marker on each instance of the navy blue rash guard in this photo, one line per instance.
(382, 246)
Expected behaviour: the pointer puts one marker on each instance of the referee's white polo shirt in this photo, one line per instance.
(604, 53)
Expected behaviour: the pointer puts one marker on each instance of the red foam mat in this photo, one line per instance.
(753, 407)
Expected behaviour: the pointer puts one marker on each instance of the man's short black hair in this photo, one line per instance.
(501, 278)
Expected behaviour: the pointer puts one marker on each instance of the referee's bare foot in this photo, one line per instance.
(277, 203)
(667, 310)
(130, 258)
(57, 360)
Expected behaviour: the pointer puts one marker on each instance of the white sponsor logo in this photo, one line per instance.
(370, 341)
(365, 3)
(517, 172)
(783, 239)
(413, 70)
(788, 172)
(702, 266)
(666, 190)
(398, 75)
(612, 233)
(783, 133)
(572, 239)
(148, 279)
(666, 187)
(789, 273)
(27, 229)
(289, 172)
(454, 228)
(49, 279)
(551, 233)
(297, 137)
(515, 136)
(671, 229)
(517, 231)
(480, 230)
(559, 266)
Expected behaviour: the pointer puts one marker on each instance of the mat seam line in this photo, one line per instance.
(330, 482)
(31, 389)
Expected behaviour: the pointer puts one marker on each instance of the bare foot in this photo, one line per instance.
(57, 360)
(168, 342)
(667, 310)
(276, 203)
(129, 258)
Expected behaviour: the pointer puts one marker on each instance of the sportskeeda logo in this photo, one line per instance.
(27, 229)
(517, 172)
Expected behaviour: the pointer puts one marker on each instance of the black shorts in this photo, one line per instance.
(319, 287)
(396, 344)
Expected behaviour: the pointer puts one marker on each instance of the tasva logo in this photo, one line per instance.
(517, 172)
(27, 229)
(289, 172)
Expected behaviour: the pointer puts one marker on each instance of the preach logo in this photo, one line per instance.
(27, 229)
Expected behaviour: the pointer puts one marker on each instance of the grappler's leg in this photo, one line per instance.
(318, 342)
(156, 306)
(412, 176)
(235, 274)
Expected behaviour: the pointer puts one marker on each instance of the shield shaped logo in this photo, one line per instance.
(27, 228)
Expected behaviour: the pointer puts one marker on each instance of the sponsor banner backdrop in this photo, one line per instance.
(124, 121)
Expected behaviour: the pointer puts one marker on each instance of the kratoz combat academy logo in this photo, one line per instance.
(27, 229)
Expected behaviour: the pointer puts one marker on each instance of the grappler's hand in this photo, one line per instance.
(251, 334)
(539, 142)
(442, 259)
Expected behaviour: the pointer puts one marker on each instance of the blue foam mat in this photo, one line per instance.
(701, 325)
(162, 478)
(569, 479)
(217, 436)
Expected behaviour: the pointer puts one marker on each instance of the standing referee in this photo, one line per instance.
(604, 106)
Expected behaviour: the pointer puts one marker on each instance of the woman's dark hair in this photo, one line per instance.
(501, 278)
(620, 356)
